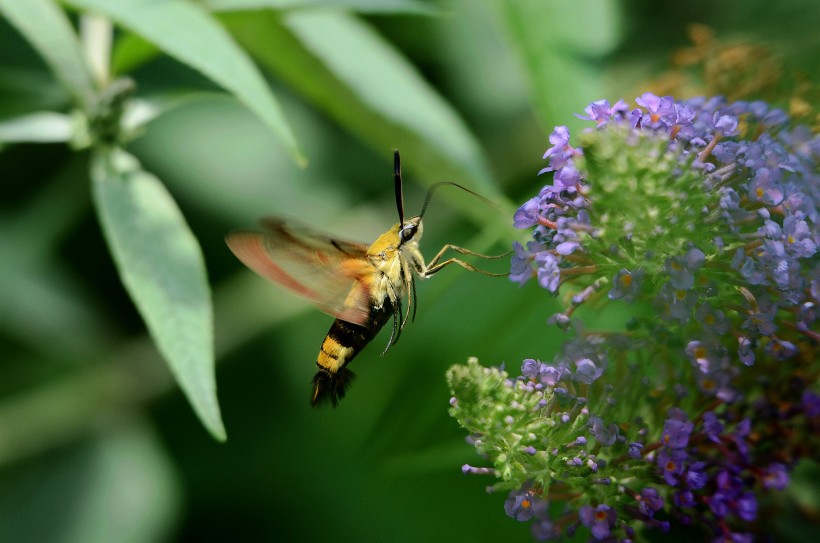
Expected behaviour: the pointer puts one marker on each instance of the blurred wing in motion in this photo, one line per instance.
(333, 275)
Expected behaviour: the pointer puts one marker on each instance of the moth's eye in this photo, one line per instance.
(407, 232)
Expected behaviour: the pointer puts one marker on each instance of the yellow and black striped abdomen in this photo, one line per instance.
(343, 342)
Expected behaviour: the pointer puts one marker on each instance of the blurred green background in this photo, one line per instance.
(96, 441)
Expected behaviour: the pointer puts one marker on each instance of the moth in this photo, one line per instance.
(362, 286)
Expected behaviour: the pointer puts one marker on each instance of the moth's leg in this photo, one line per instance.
(467, 266)
(463, 251)
(410, 288)
(416, 305)
(407, 313)
(433, 266)
(396, 332)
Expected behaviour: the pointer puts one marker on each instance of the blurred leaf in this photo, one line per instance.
(161, 265)
(116, 487)
(804, 484)
(50, 302)
(41, 127)
(231, 166)
(560, 44)
(586, 27)
(34, 230)
(358, 78)
(799, 503)
(48, 29)
(40, 296)
(364, 6)
(131, 51)
(27, 89)
(139, 112)
(185, 31)
(386, 83)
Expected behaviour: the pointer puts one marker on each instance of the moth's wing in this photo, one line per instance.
(332, 274)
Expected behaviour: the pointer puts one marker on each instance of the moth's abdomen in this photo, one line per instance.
(331, 386)
(343, 342)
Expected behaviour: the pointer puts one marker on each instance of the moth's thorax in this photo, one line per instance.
(394, 260)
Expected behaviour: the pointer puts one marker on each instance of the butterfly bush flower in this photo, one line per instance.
(699, 219)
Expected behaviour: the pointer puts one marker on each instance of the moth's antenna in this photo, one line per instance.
(435, 186)
(398, 183)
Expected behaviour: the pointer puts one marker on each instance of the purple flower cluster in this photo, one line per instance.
(556, 435)
(703, 215)
(704, 472)
(560, 421)
(712, 469)
(719, 235)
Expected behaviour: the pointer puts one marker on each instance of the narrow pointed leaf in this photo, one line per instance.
(362, 6)
(377, 73)
(41, 127)
(44, 24)
(161, 265)
(358, 78)
(185, 31)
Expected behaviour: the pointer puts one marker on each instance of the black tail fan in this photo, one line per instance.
(331, 387)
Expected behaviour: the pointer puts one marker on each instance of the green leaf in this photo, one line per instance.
(561, 45)
(348, 70)
(41, 127)
(40, 296)
(52, 303)
(386, 83)
(188, 33)
(28, 89)
(363, 6)
(130, 52)
(49, 31)
(161, 265)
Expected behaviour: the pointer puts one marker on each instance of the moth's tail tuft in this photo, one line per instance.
(331, 386)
